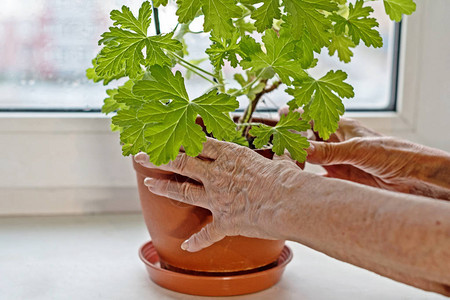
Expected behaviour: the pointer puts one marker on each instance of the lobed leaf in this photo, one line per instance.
(187, 10)
(123, 45)
(165, 120)
(164, 86)
(309, 15)
(214, 109)
(342, 45)
(224, 49)
(321, 100)
(218, 15)
(265, 14)
(396, 8)
(283, 136)
(359, 25)
(279, 56)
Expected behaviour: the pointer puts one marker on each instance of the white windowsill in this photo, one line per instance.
(96, 257)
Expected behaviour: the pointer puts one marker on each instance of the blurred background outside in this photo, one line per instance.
(46, 46)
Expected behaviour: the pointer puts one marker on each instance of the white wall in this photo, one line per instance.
(71, 163)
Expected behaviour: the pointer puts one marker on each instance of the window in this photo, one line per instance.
(47, 45)
(71, 162)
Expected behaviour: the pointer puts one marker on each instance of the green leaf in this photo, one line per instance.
(158, 3)
(218, 15)
(125, 96)
(110, 104)
(279, 56)
(131, 131)
(283, 137)
(322, 100)
(342, 45)
(240, 140)
(265, 14)
(309, 15)
(92, 75)
(395, 8)
(164, 86)
(224, 49)
(244, 26)
(155, 46)
(304, 50)
(173, 126)
(187, 10)
(359, 25)
(214, 109)
(127, 20)
(166, 119)
(123, 45)
(248, 89)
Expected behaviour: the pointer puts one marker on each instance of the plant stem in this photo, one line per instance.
(250, 124)
(196, 72)
(219, 79)
(156, 16)
(249, 84)
(191, 65)
(246, 117)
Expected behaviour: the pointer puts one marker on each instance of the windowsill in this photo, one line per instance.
(98, 122)
(95, 257)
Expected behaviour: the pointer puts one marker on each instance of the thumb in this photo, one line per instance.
(209, 235)
(323, 153)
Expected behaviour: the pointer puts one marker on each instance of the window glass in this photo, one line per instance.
(46, 46)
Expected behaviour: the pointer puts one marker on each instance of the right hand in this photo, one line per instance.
(246, 193)
(359, 154)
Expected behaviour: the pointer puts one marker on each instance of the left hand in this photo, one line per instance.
(241, 188)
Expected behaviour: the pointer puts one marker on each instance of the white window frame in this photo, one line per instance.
(70, 163)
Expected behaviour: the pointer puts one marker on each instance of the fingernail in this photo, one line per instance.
(149, 181)
(185, 245)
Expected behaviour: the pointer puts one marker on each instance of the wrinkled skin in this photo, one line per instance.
(404, 237)
(361, 155)
(226, 186)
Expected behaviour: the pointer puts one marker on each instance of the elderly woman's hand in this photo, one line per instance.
(243, 190)
(361, 155)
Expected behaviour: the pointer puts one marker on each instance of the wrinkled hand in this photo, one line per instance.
(361, 155)
(241, 188)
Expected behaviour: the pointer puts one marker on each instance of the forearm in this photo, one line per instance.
(433, 178)
(401, 236)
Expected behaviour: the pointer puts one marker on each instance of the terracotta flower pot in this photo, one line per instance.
(170, 223)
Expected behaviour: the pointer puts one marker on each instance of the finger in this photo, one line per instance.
(209, 235)
(324, 153)
(186, 191)
(212, 148)
(285, 110)
(350, 128)
(185, 165)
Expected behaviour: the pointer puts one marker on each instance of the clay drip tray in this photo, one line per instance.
(166, 266)
(217, 284)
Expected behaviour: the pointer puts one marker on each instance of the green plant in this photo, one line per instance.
(154, 111)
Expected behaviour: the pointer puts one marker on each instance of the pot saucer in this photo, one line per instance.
(229, 285)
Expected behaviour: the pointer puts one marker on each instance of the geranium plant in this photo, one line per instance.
(155, 113)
